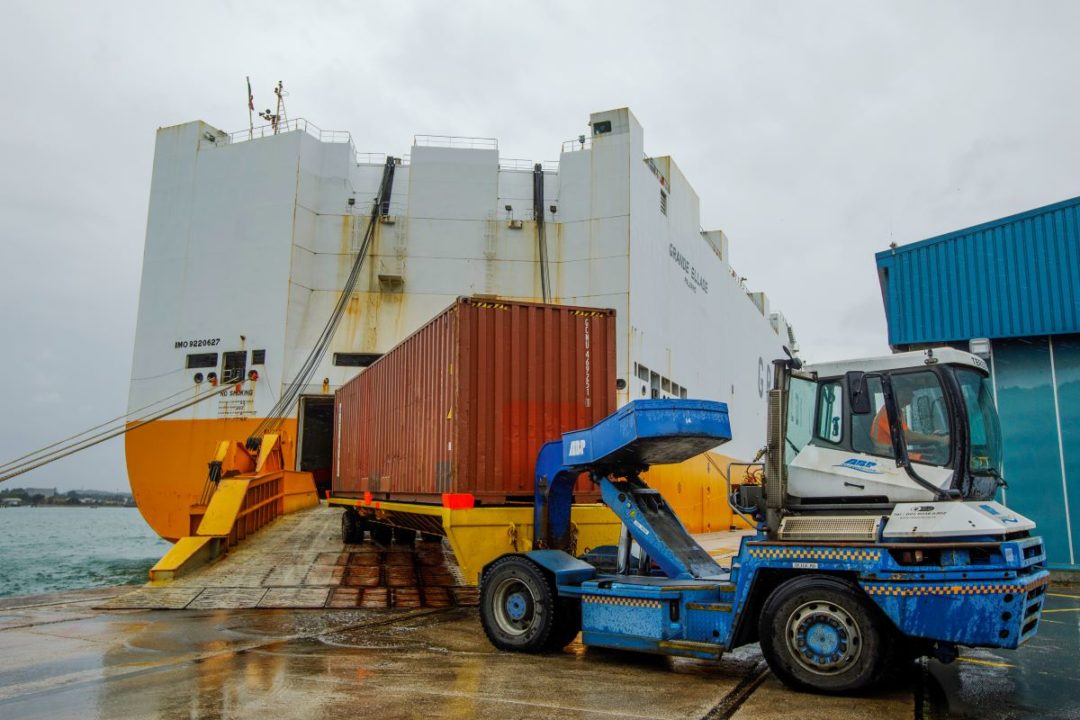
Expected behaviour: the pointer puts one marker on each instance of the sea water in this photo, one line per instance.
(49, 549)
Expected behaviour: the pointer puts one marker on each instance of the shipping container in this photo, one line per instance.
(464, 404)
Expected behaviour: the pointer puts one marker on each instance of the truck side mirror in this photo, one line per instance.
(858, 392)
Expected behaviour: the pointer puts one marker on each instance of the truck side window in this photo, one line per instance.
(830, 425)
(870, 432)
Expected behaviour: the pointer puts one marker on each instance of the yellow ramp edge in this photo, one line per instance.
(187, 554)
(224, 507)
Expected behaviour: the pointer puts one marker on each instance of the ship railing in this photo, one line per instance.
(379, 159)
(581, 142)
(262, 131)
(455, 141)
(521, 164)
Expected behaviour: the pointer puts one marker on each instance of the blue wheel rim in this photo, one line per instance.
(823, 637)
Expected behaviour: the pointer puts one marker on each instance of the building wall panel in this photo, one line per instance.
(1067, 369)
(1030, 434)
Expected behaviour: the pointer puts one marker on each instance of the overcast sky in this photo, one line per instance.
(814, 133)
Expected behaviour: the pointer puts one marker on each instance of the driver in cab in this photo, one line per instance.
(932, 448)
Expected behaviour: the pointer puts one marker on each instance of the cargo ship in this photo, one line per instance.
(252, 236)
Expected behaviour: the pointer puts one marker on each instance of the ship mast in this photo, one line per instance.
(277, 118)
(251, 109)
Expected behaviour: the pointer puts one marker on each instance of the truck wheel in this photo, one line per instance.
(404, 536)
(517, 605)
(352, 527)
(382, 533)
(818, 633)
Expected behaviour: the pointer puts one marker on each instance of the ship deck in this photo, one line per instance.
(240, 649)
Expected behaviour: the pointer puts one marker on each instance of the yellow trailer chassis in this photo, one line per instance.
(478, 535)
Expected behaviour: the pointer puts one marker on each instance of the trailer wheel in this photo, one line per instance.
(382, 533)
(819, 634)
(517, 605)
(352, 527)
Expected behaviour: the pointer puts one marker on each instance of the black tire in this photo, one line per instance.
(352, 527)
(567, 623)
(820, 634)
(517, 605)
(430, 537)
(404, 536)
(382, 533)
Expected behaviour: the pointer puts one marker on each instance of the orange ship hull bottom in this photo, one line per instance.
(167, 463)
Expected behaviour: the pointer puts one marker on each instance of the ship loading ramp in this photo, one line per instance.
(299, 562)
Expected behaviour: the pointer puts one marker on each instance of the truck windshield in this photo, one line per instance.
(984, 430)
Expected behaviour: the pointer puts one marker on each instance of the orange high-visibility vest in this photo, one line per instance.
(879, 431)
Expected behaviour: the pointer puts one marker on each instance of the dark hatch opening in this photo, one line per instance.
(317, 439)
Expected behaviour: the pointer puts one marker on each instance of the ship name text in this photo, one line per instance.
(694, 279)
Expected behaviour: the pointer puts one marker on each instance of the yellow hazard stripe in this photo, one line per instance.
(906, 590)
(622, 601)
(815, 554)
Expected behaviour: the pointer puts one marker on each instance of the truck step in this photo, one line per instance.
(678, 647)
(710, 607)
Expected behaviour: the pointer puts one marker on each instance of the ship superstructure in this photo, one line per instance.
(251, 236)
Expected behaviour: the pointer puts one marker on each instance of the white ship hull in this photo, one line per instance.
(249, 243)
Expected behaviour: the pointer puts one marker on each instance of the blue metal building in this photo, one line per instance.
(1015, 282)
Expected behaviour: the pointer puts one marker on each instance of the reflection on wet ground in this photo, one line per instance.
(60, 658)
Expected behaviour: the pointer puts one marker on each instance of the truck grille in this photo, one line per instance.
(858, 529)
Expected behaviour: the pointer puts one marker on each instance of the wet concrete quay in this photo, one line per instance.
(91, 654)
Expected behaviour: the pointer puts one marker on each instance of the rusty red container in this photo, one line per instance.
(464, 404)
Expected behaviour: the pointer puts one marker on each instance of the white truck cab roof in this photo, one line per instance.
(897, 361)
